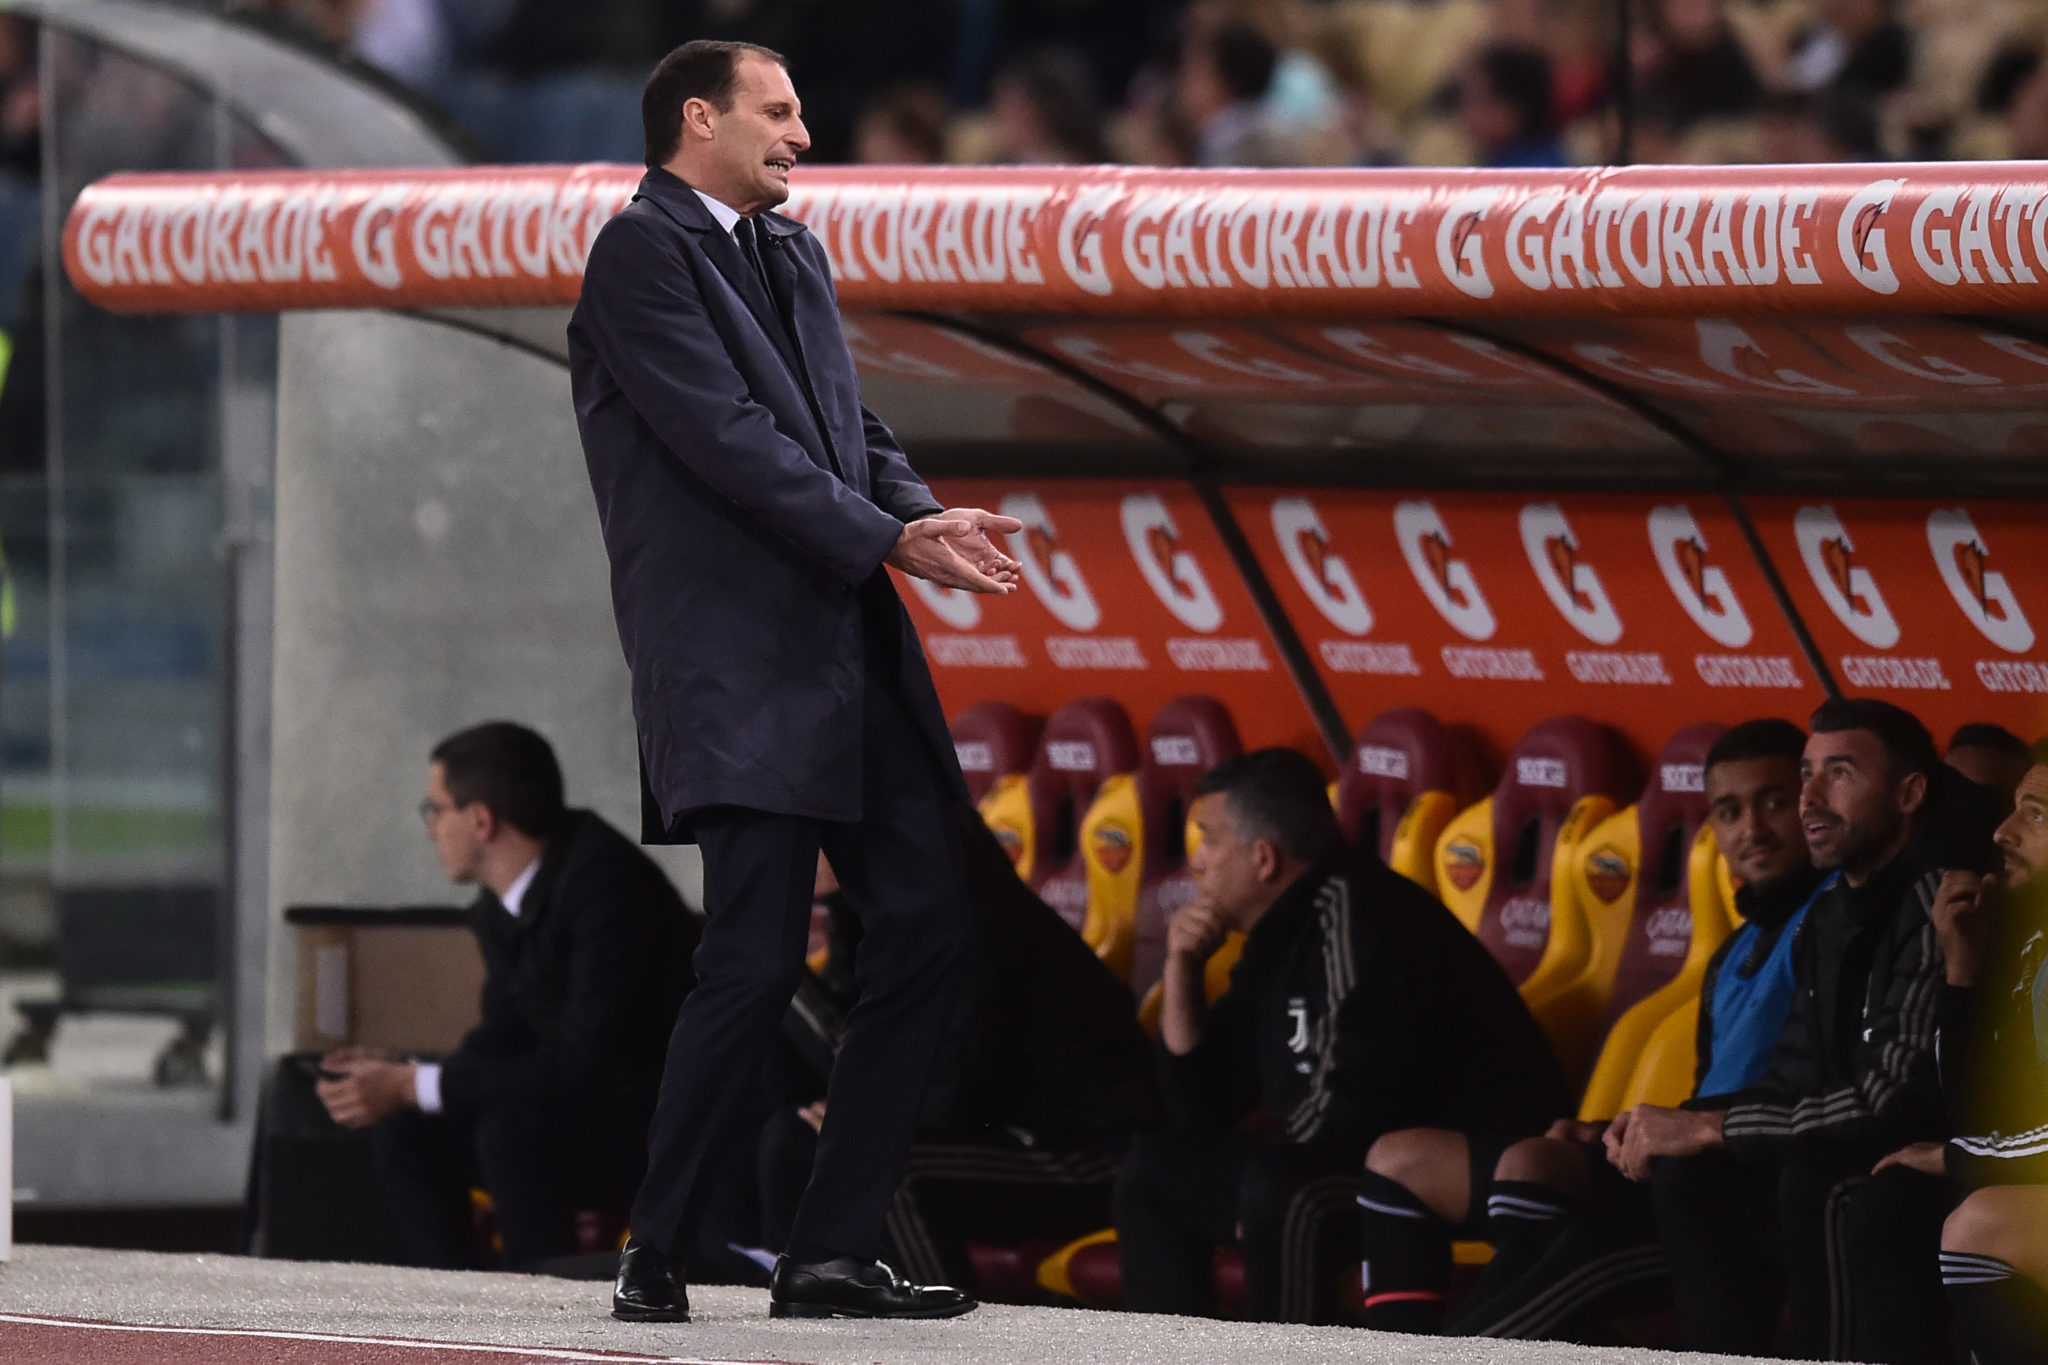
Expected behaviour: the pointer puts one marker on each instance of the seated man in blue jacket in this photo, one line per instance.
(1361, 1005)
(586, 951)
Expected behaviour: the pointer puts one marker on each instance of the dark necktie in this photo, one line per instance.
(750, 247)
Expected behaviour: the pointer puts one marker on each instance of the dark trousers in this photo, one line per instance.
(1179, 1196)
(540, 1166)
(900, 867)
(1740, 1239)
(1894, 1311)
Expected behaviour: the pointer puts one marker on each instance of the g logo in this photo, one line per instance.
(1573, 588)
(1322, 573)
(1172, 571)
(1983, 594)
(1846, 586)
(1447, 582)
(1700, 588)
(956, 608)
(1050, 571)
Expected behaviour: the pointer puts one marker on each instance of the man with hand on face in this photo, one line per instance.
(1970, 1215)
(1744, 1187)
(1360, 1005)
(749, 504)
(586, 951)
(1573, 1238)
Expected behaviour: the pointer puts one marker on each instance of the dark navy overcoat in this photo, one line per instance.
(744, 521)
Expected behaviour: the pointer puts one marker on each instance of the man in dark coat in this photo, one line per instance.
(749, 503)
(586, 951)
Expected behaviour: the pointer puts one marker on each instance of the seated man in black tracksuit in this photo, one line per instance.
(1747, 1188)
(1360, 1006)
(586, 951)
(1574, 1241)
(1044, 1076)
(1970, 1215)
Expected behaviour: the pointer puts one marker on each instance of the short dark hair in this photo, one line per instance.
(1908, 748)
(1519, 76)
(1980, 734)
(703, 69)
(509, 768)
(1278, 794)
(1766, 738)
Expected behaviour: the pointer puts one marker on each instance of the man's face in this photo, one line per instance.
(1753, 806)
(457, 832)
(758, 140)
(1851, 807)
(1228, 865)
(2023, 838)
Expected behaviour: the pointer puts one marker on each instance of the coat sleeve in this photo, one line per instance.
(611, 977)
(1895, 1095)
(1212, 1088)
(649, 326)
(897, 488)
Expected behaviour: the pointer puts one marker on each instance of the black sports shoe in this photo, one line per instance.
(845, 1288)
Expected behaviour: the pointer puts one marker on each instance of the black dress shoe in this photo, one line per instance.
(845, 1288)
(649, 1289)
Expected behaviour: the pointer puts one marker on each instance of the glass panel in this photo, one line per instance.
(115, 746)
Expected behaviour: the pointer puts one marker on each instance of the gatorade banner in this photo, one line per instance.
(1938, 606)
(1677, 241)
(1127, 592)
(1645, 613)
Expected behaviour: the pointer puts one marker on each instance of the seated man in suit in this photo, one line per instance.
(1360, 1006)
(586, 951)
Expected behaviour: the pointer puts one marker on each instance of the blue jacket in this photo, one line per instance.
(746, 512)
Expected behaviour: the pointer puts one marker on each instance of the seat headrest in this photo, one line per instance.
(1189, 736)
(1677, 787)
(1560, 760)
(1399, 755)
(993, 739)
(1085, 742)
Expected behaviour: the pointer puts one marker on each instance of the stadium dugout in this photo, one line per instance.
(1653, 447)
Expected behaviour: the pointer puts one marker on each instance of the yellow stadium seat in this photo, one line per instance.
(1617, 1081)
(1085, 744)
(1631, 885)
(995, 743)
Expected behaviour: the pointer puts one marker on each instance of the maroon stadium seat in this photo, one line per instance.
(1085, 743)
(1409, 774)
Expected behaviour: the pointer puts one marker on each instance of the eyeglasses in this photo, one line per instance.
(432, 810)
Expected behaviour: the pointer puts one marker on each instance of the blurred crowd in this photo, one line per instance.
(1252, 82)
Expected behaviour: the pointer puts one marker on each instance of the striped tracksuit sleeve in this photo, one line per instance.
(1894, 1094)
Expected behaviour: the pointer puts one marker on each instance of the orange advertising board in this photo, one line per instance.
(1941, 607)
(1128, 592)
(1646, 613)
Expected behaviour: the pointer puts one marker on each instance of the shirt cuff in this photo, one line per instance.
(426, 1086)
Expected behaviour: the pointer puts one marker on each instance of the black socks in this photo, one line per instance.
(2004, 1315)
(1407, 1258)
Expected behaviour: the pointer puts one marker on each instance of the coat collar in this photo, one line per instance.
(675, 195)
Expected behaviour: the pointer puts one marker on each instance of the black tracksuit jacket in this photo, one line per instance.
(1361, 1006)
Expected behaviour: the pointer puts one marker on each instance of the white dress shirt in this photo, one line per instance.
(426, 1083)
(728, 217)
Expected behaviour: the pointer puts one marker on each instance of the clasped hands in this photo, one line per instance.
(953, 549)
(359, 1085)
